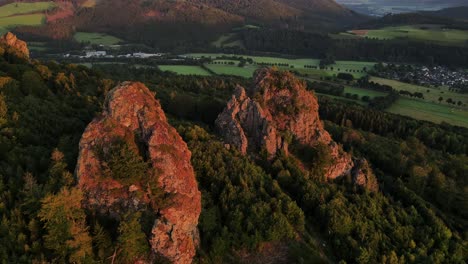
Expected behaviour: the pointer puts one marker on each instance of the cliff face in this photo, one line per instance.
(134, 118)
(275, 111)
(13, 45)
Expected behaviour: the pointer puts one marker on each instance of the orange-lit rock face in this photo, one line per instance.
(10, 41)
(276, 107)
(133, 114)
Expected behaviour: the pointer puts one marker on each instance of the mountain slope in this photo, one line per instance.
(460, 13)
(189, 19)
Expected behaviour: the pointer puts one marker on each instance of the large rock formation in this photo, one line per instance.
(272, 113)
(15, 46)
(134, 116)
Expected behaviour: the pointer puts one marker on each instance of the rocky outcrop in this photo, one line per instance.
(15, 46)
(274, 112)
(134, 116)
(363, 176)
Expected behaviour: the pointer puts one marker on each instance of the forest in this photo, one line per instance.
(418, 216)
(318, 45)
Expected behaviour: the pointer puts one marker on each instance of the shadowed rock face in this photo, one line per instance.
(363, 176)
(134, 115)
(275, 109)
(14, 45)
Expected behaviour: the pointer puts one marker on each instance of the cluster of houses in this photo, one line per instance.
(428, 76)
(104, 54)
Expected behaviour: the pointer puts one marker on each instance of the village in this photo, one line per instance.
(102, 54)
(435, 76)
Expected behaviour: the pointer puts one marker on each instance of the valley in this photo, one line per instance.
(246, 131)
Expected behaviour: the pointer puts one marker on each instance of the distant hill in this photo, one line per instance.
(383, 7)
(460, 12)
(418, 18)
(193, 20)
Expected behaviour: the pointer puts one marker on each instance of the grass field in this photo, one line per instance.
(96, 38)
(245, 72)
(227, 40)
(25, 8)
(356, 68)
(184, 69)
(432, 96)
(23, 14)
(431, 33)
(7, 23)
(436, 113)
(363, 92)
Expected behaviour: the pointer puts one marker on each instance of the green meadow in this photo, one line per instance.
(431, 94)
(356, 68)
(184, 69)
(25, 8)
(363, 92)
(433, 112)
(431, 33)
(96, 38)
(245, 72)
(23, 14)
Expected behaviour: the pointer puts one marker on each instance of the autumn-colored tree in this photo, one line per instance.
(59, 176)
(65, 222)
(3, 110)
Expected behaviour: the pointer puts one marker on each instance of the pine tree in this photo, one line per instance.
(132, 241)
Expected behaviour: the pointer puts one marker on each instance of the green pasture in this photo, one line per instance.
(431, 33)
(14, 9)
(363, 92)
(184, 69)
(228, 40)
(357, 68)
(235, 70)
(433, 112)
(7, 23)
(96, 38)
(430, 94)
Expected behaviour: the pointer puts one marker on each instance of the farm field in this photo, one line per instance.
(432, 33)
(96, 38)
(356, 68)
(245, 72)
(436, 113)
(363, 92)
(25, 8)
(23, 14)
(184, 69)
(432, 96)
(7, 23)
(227, 40)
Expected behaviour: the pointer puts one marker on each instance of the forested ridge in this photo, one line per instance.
(320, 45)
(418, 216)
